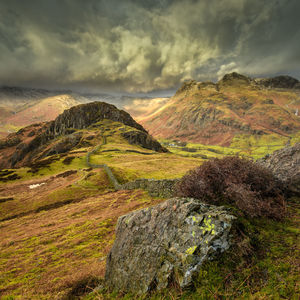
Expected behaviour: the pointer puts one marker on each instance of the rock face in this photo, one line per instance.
(166, 243)
(285, 164)
(82, 116)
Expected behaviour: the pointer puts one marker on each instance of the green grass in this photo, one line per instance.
(250, 146)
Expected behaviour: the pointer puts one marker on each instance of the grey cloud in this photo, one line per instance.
(133, 45)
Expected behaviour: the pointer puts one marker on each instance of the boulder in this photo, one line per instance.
(166, 244)
(285, 164)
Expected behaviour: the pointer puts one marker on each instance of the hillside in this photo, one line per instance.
(59, 207)
(235, 108)
(57, 213)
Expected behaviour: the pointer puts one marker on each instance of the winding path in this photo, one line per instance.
(105, 167)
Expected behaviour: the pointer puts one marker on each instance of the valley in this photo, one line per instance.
(59, 205)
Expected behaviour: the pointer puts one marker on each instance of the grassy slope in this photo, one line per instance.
(59, 233)
(245, 145)
(62, 230)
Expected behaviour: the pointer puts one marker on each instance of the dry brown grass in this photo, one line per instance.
(232, 180)
(51, 253)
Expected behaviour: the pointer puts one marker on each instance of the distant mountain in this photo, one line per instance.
(20, 107)
(209, 113)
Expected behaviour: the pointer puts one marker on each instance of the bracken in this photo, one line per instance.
(233, 180)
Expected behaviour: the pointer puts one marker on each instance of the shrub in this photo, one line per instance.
(232, 180)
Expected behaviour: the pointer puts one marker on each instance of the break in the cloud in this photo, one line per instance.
(144, 45)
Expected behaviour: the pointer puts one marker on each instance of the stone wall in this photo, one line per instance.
(156, 188)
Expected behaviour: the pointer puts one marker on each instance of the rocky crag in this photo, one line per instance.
(171, 241)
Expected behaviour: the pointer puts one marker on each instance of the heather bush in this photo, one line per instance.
(232, 180)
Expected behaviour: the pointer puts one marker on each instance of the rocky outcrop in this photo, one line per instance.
(10, 141)
(166, 243)
(286, 82)
(285, 164)
(143, 139)
(82, 116)
(65, 144)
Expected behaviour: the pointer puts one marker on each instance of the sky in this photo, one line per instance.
(145, 45)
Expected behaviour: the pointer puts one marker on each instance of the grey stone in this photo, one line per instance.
(165, 243)
(285, 165)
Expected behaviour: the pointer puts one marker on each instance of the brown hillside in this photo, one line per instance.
(209, 113)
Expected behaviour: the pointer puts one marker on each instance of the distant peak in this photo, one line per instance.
(234, 78)
(193, 85)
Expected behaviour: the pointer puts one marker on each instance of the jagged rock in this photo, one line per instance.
(82, 116)
(143, 139)
(282, 81)
(10, 141)
(285, 164)
(186, 86)
(165, 243)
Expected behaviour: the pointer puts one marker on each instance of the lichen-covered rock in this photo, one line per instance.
(285, 165)
(166, 243)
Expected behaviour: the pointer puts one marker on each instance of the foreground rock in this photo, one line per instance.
(166, 243)
(285, 164)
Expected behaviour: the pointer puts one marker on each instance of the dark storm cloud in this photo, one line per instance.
(137, 45)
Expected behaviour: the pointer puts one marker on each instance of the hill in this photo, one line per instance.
(58, 205)
(235, 108)
(20, 107)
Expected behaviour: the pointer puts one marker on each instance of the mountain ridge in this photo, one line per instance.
(214, 113)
